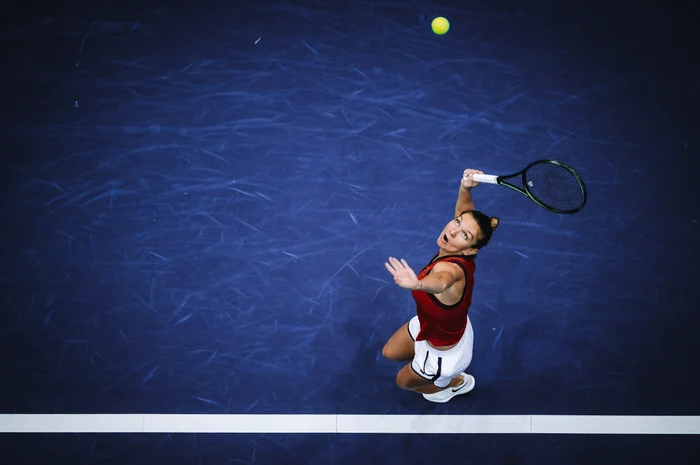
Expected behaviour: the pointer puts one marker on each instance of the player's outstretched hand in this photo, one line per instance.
(403, 274)
(467, 180)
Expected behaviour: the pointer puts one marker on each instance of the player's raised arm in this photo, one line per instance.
(464, 200)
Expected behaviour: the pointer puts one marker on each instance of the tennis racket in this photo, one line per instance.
(551, 184)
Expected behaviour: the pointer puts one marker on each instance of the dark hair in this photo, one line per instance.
(486, 224)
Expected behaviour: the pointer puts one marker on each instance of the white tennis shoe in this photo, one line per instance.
(447, 394)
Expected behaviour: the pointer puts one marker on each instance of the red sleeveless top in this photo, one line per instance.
(440, 324)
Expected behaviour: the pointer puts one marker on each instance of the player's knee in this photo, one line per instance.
(405, 381)
(386, 351)
(390, 353)
(401, 382)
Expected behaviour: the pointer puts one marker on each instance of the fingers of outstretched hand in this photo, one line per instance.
(395, 263)
(390, 268)
(399, 269)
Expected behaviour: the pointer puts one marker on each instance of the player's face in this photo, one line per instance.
(459, 235)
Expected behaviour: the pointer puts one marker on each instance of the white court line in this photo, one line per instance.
(349, 424)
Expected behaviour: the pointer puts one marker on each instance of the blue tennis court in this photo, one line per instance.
(198, 202)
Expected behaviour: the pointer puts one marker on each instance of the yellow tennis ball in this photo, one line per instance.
(440, 25)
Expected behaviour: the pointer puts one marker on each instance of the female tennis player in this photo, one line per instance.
(438, 341)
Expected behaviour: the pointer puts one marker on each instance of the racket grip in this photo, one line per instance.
(485, 178)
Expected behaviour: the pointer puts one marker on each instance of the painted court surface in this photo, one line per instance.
(197, 204)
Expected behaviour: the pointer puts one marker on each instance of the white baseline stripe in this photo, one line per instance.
(349, 424)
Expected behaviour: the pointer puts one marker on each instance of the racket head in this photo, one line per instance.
(555, 186)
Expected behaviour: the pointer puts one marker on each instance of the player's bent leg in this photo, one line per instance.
(399, 347)
(409, 380)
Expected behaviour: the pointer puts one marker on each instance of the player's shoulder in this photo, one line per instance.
(449, 266)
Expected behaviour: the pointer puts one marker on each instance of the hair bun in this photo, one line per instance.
(494, 222)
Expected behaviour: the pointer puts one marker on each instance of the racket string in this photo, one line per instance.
(555, 186)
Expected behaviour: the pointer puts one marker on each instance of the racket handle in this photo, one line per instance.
(485, 178)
